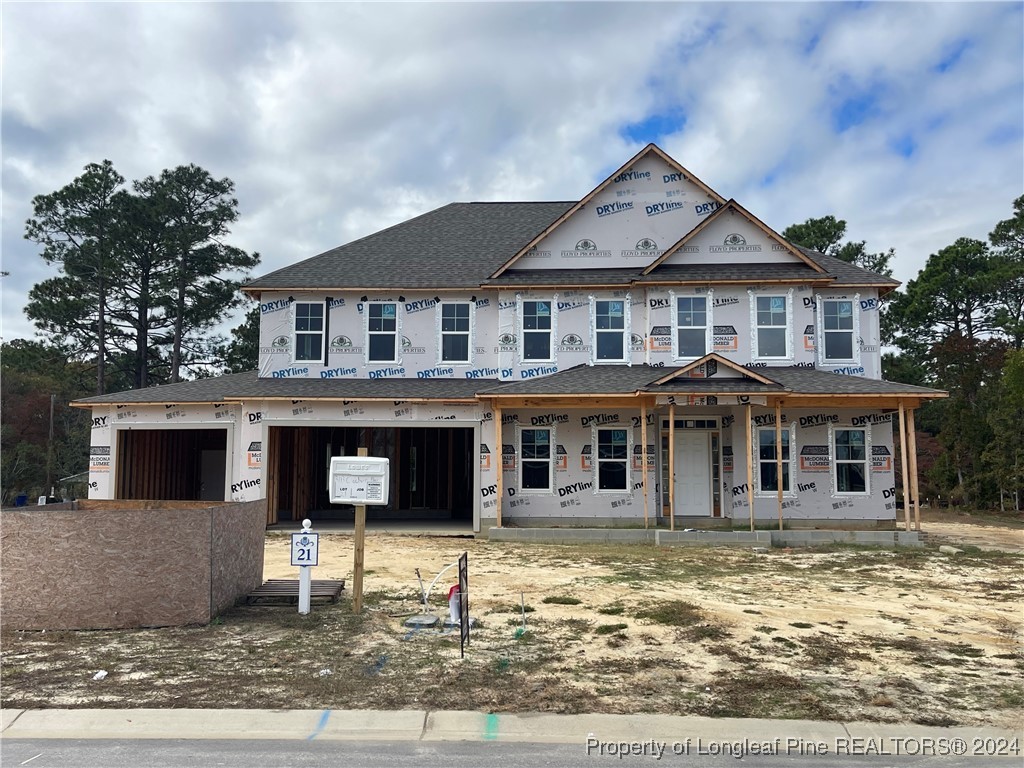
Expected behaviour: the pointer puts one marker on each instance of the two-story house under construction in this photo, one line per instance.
(652, 353)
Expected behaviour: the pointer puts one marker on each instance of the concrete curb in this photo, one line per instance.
(787, 736)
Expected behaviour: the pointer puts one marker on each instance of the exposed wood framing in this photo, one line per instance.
(750, 463)
(778, 455)
(903, 464)
(643, 453)
(271, 471)
(497, 464)
(912, 435)
(672, 467)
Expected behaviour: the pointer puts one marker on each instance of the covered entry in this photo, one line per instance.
(697, 457)
(431, 471)
(177, 464)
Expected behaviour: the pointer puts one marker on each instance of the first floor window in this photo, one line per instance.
(535, 457)
(837, 328)
(767, 458)
(612, 455)
(537, 330)
(309, 331)
(851, 461)
(610, 330)
(455, 333)
(382, 332)
(772, 326)
(692, 326)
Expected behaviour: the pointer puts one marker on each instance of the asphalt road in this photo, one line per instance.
(244, 753)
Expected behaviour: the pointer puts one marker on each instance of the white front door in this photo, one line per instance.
(693, 473)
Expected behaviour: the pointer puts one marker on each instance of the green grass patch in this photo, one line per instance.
(675, 613)
(561, 600)
(608, 629)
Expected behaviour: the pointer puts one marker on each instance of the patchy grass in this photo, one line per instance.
(664, 631)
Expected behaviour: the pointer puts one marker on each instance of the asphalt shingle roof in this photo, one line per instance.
(456, 246)
(247, 385)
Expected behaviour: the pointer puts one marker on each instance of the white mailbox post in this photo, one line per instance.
(361, 480)
(305, 555)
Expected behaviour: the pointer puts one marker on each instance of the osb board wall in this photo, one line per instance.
(115, 568)
(237, 548)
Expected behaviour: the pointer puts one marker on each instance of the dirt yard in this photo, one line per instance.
(848, 634)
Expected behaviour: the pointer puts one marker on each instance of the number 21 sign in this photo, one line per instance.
(305, 548)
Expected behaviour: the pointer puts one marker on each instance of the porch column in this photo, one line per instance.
(672, 466)
(912, 441)
(750, 462)
(903, 464)
(643, 453)
(497, 453)
(778, 455)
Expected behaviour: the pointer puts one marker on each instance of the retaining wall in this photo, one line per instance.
(121, 567)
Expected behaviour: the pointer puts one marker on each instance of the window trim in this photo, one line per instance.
(321, 333)
(756, 458)
(819, 303)
(627, 353)
(520, 309)
(597, 460)
(550, 490)
(834, 461)
(754, 327)
(469, 332)
(397, 332)
(709, 323)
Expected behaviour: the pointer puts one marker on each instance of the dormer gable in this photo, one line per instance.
(713, 365)
(732, 235)
(640, 210)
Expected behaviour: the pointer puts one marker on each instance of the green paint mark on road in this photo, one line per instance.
(491, 728)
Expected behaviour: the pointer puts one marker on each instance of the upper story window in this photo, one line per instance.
(309, 330)
(609, 332)
(838, 331)
(535, 451)
(771, 321)
(692, 322)
(850, 452)
(612, 460)
(382, 332)
(767, 461)
(455, 332)
(537, 330)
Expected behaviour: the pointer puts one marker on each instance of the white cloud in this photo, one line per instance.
(336, 120)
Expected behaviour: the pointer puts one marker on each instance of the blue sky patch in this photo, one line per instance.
(654, 127)
(951, 55)
(904, 145)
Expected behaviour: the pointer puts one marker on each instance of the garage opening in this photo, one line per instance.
(173, 464)
(431, 471)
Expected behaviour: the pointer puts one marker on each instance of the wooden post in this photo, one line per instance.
(360, 552)
(912, 441)
(672, 467)
(497, 466)
(750, 462)
(778, 455)
(643, 453)
(903, 465)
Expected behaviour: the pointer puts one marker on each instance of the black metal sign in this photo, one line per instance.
(463, 602)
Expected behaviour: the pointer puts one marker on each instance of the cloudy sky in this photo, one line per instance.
(338, 119)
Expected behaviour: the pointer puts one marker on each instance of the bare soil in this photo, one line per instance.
(845, 634)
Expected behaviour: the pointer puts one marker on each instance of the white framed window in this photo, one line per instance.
(309, 331)
(538, 322)
(536, 460)
(612, 464)
(455, 320)
(609, 321)
(851, 449)
(766, 460)
(382, 332)
(838, 330)
(771, 322)
(692, 319)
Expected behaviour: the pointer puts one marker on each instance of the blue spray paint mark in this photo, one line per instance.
(324, 717)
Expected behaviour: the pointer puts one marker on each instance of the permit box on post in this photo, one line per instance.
(360, 480)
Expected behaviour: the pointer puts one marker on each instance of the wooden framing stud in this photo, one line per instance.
(672, 467)
(643, 454)
(904, 449)
(750, 463)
